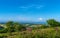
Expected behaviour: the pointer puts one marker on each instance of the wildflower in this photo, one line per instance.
(29, 29)
(56, 29)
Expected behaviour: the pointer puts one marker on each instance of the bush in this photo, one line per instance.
(3, 36)
(53, 22)
(3, 30)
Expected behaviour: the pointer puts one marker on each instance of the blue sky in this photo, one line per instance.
(29, 10)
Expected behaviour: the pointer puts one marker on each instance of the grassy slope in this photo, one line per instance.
(48, 32)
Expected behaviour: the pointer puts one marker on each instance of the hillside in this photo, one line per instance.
(41, 33)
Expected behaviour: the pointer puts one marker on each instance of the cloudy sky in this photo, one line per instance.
(29, 10)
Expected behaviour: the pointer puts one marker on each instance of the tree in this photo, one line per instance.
(16, 26)
(53, 22)
(9, 26)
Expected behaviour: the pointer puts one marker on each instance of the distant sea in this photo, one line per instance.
(27, 22)
(33, 22)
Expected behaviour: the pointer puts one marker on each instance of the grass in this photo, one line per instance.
(39, 33)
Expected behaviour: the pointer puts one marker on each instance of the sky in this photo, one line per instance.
(29, 10)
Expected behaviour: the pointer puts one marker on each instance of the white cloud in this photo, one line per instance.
(40, 19)
(32, 6)
(39, 6)
(23, 7)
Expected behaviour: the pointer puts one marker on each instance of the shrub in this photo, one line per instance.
(3, 30)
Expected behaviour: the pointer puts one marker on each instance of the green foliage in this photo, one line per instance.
(9, 26)
(18, 26)
(44, 26)
(42, 33)
(53, 22)
(38, 32)
(3, 30)
(3, 36)
(14, 26)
